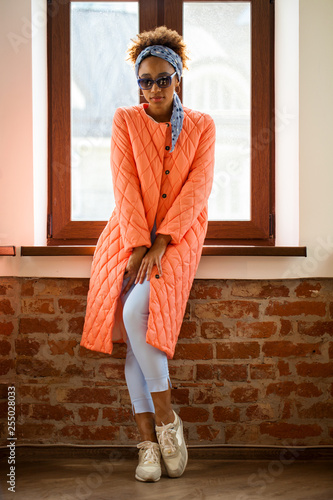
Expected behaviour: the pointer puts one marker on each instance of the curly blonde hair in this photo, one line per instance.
(159, 36)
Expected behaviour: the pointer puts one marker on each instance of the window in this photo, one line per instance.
(231, 78)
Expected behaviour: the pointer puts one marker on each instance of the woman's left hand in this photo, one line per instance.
(153, 257)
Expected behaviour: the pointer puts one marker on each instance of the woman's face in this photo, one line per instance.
(160, 100)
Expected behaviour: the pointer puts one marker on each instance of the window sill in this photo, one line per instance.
(9, 251)
(208, 250)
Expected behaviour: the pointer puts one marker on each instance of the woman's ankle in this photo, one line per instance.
(165, 419)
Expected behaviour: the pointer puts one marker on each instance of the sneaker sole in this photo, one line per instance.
(146, 480)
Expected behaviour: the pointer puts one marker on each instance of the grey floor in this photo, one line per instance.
(96, 478)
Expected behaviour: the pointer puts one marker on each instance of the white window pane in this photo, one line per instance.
(218, 35)
(101, 81)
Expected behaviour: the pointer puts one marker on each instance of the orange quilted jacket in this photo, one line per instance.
(150, 182)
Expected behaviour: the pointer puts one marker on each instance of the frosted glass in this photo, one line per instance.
(101, 81)
(218, 35)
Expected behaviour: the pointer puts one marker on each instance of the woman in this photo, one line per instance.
(162, 161)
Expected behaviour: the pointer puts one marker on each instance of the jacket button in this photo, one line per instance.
(167, 172)
(164, 195)
(168, 124)
(157, 276)
(167, 148)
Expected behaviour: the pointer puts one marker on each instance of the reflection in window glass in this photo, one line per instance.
(101, 81)
(218, 35)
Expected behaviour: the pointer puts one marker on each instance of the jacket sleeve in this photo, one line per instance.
(134, 228)
(195, 191)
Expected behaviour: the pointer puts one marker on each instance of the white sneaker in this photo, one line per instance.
(149, 468)
(173, 446)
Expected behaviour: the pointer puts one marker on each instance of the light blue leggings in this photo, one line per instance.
(146, 367)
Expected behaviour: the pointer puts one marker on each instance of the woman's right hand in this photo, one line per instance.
(133, 266)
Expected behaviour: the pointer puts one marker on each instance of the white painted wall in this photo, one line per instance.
(304, 105)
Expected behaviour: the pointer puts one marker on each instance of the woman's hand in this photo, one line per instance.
(133, 266)
(153, 257)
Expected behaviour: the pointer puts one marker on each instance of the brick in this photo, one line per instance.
(284, 349)
(34, 306)
(330, 350)
(286, 327)
(260, 329)
(316, 329)
(112, 371)
(187, 314)
(287, 410)
(281, 389)
(88, 414)
(242, 433)
(27, 347)
(131, 433)
(322, 370)
(284, 430)
(74, 369)
(320, 410)
(201, 289)
(283, 367)
(5, 347)
(260, 412)
(183, 372)
(192, 414)
(75, 325)
(89, 354)
(119, 351)
(259, 289)
(117, 415)
(296, 308)
(6, 307)
(207, 396)
(55, 287)
(308, 390)
(35, 432)
(6, 365)
(227, 308)
(6, 327)
(193, 351)
(27, 288)
(90, 433)
(188, 330)
(8, 286)
(232, 372)
(72, 306)
(262, 371)
(180, 396)
(214, 330)
(85, 395)
(4, 391)
(60, 347)
(40, 325)
(307, 289)
(244, 394)
(37, 368)
(225, 414)
(35, 392)
(331, 309)
(46, 411)
(237, 350)
(207, 432)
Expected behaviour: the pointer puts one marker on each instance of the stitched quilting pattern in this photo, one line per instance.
(142, 172)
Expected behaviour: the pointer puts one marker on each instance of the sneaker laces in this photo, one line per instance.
(167, 438)
(150, 452)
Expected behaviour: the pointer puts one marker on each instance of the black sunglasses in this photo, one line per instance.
(162, 82)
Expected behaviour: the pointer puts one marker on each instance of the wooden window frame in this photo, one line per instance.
(260, 230)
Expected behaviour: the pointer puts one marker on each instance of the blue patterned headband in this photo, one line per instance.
(169, 55)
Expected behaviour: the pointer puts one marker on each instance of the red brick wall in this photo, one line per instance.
(253, 365)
